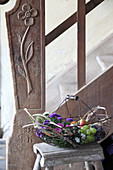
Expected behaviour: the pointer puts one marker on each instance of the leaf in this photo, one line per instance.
(19, 37)
(29, 52)
(21, 71)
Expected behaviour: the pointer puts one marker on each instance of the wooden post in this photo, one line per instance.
(81, 44)
(26, 33)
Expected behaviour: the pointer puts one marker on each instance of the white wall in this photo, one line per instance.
(7, 97)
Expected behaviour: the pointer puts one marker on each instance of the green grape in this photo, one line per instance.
(88, 131)
(84, 128)
(85, 141)
(93, 130)
(90, 138)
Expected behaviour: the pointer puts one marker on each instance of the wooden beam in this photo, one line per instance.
(61, 28)
(69, 22)
(92, 4)
(81, 44)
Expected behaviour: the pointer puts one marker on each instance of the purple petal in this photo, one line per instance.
(65, 138)
(43, 127)
(59, 118)
(41, 135)
(69, 119)
(46, 122)
(38, 132)
(67, 125)
(52, 115)
(59, 130)
(60, 124)
(37, 135)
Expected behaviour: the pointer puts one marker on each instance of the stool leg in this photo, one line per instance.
(37, 163)
(87, 165)
(98, 165)
(49, 168)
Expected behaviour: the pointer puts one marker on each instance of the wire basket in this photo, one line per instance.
(53, 129)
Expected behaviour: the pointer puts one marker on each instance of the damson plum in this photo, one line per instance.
(93, 126)
(100, 133)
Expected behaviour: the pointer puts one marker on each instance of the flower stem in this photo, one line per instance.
(29, 87)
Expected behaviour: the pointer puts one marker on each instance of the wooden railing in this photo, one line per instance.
(69, 22)
(79, 18)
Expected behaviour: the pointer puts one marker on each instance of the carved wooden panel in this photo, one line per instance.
(26, 33)
(24, 29)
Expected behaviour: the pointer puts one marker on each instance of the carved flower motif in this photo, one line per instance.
(27, 14)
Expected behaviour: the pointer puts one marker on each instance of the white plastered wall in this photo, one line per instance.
(7, 97)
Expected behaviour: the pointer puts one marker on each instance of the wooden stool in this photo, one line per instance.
(49, 156)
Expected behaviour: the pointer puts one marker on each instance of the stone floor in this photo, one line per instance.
(2, 154)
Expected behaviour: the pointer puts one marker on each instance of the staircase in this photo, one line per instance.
(65, 83)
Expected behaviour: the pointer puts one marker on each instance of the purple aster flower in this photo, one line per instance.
(37, 135)
(38, 132)
(67, 125)
(59, 130)
(58, 115)
(69, 119)
(41, 135)
(60, 124)
(46, 122)
(59, 118)
(65, 138)
(52, 115)
(43, 127)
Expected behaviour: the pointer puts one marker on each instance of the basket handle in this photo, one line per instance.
(94, 109)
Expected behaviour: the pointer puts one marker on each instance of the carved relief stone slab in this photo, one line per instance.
(24, 30)
(26, 33)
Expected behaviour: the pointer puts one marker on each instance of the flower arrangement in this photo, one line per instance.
(53, 129)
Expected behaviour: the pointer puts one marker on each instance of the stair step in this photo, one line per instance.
(66, 83)
(97, 61)
(67, 89)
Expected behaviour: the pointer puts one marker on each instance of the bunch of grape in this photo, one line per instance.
(90, 133)
(87, 133)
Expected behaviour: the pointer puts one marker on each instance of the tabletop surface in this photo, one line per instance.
(52, 155)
